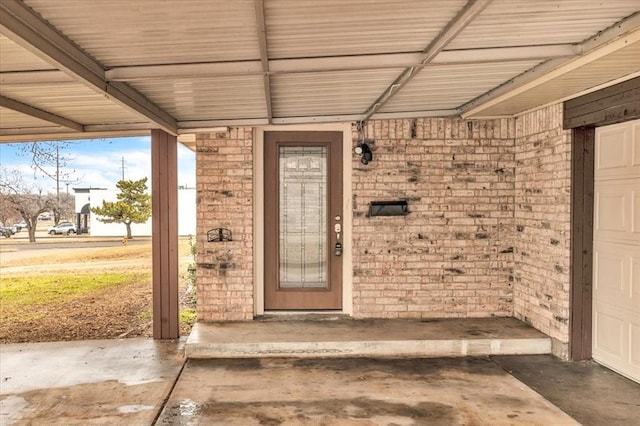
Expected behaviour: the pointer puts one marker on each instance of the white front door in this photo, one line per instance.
(616, 249)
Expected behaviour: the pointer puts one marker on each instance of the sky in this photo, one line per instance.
(97, 163)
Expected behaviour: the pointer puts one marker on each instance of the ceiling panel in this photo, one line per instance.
(140, 32)
(616, 65)
(526, 23)
(338, 50)
(15, 58)
(208, 98)
(70, 100)
(450, 86)
(311, 28)
(10, 119)
(328, 93)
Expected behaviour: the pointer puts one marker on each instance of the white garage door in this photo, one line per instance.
(616, 249)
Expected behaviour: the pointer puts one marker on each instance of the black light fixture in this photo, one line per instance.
(364, 150)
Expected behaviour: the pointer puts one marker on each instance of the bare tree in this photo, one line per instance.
(65, 208)
(28, 201)
(7, 212)
(49, 160)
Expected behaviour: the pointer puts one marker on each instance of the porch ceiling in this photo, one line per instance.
(71, 69)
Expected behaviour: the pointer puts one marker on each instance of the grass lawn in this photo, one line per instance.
(104, 298)
(25, 293)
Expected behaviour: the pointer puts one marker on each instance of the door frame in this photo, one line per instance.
(258, 211)
(582, 115)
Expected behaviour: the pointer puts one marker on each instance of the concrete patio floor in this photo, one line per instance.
(98, 382)
(147, 382)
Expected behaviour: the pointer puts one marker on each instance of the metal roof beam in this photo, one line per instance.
(468, 13)
(336, 63)
(193, 126)
(602, 44)
(34, 77)
(333, 63)
(40, 114)
(168, 71)
(206, 125)
(19, 23)
(264, 55)
(50, 133)
(505, 54)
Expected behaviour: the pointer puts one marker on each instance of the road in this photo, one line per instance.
(18, 246)
(10, 252)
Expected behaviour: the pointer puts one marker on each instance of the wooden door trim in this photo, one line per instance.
(582, 209)
(305, 299)
(614, 104)
(258, 208)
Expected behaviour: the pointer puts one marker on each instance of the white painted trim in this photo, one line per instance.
(258, 222)
(440, 113)
(347, 213)
(544, 73)
(577, 95)
(258, 209)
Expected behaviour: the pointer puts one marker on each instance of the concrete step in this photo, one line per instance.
(339, 337)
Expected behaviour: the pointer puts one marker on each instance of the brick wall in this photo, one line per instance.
(224, 168)
(452, 256)
(542, 223)
(487, 233)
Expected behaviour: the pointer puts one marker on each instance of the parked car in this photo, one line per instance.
(63, 228)
(20, 226)
(6, 231)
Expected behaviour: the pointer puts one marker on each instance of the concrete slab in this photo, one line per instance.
(346, 337)
(590, 393)
(126, 382)
(354, 391)
(87, 382)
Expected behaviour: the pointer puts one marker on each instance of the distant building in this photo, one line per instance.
(86, 198)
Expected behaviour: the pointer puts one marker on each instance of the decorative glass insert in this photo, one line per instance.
(303, 216)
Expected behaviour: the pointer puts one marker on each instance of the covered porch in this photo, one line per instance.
(482, 115)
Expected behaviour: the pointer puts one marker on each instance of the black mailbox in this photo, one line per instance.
(388, 208)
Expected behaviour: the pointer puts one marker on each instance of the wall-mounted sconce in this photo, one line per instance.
(364, 150)
(217, 235)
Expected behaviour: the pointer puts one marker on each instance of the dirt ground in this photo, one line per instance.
(121, 311)
(111, 313)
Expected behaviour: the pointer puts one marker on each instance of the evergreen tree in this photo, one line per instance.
(133, 205)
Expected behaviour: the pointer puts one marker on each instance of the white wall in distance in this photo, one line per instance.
(186, 216)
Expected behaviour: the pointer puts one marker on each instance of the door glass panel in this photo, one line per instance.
(302, 221)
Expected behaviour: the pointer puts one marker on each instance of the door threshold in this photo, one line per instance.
(330, 315)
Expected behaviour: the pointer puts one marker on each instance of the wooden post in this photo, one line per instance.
(580, 298)
(164, 190)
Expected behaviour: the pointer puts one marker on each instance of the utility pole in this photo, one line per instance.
(58, 173)
(123, 167)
